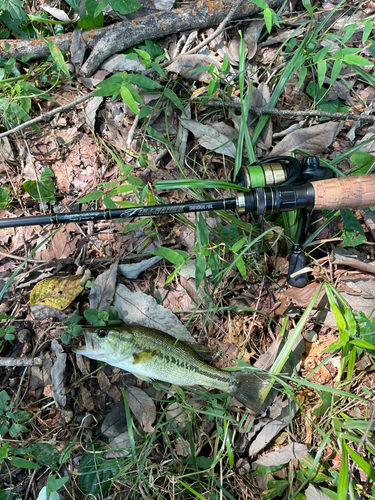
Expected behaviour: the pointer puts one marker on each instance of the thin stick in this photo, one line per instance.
(218, 30)
(20, 362)
(287, 112)
(17, 257)
(48, 115)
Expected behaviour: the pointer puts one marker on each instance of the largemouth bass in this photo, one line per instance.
(150, 353)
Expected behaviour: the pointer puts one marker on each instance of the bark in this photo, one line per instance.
(107, 41)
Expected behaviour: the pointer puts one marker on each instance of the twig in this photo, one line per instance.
(367, 431)
(48, 115)
(130, 138)
(356, 264)
(364, 438)
(17, 257)
(286, 112)
(20, 362)
(205, 42)
(218, 30)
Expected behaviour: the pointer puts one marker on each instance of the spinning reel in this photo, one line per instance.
(284, 171)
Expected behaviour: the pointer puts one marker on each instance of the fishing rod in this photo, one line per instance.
(329, 194)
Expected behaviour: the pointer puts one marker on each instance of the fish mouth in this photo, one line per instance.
(89, 346)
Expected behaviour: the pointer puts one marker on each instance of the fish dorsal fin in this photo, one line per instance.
(204, 352)
(145, 356)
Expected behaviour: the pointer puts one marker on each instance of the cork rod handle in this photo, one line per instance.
(347, 192)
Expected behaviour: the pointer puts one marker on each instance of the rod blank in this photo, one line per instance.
(345, 193)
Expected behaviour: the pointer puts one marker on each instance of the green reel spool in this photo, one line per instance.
(280, 170)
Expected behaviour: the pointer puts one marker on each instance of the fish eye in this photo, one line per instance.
(102, 333)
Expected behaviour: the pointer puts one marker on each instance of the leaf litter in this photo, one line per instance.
(141, 293)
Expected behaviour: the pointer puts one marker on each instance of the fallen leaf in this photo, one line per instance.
(313, 493)
(312, 140)
(58, 14)
(141, 309)
(119, 63)
(132, 271)
(266, 360)
(184, 64)
(106, 386)
(187, 270)
(115, 421)
(40, 312)
(370, 146)
(91, 109)
(121, 444)
(57, 292)
(58, 375)
(61, 246)
(177, 414)
(6, 152)
(273, 425)
(87, 399)
(352, 258)
(251, 37)
(41, 376)
(210, 138)
(282, 456)
(103, 289)
(142, 406)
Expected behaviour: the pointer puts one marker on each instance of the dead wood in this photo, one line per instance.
(107, 41)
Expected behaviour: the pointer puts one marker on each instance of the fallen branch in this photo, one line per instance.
(286, 112)
(107, 41)
(20, 362)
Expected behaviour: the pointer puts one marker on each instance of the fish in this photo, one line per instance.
(152, 354)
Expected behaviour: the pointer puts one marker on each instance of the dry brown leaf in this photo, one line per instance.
(106, 386)
(87, 399)
(312, 140)
(210, 138)
(142, 406)
(185, 63)
(370, 146)
(251, 37)
(61, 246)
(58, 375)
(103, 289)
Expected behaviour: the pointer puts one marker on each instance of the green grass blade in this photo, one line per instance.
(283, 357)
(361, 462)
(343, 483)
(189, 488)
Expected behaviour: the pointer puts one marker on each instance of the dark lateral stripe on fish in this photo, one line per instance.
(196, 369)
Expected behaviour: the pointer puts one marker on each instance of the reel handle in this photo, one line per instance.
(345, 193)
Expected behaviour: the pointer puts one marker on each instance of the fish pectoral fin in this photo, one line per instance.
(142, 377)
(204, 352)
(145, 356)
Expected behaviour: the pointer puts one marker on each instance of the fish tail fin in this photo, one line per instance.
(248, 389)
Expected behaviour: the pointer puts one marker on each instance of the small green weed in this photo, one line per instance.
(7, 334)
(43, 190)
(97, 318)
(11, 422)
